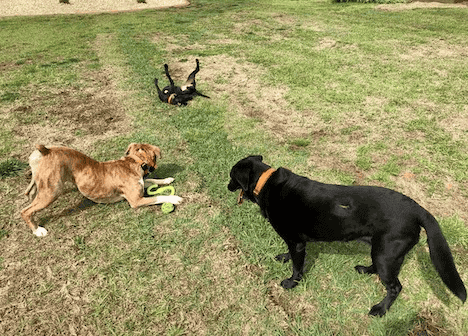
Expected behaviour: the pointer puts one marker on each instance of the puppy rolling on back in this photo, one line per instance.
(179, 95)
(302, 210)
(101, 182)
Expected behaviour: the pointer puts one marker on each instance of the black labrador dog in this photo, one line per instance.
(302, 210)
(179, 95)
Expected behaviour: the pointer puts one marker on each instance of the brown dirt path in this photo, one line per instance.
(50, 7)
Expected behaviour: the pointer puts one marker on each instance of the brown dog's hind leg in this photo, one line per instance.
(41, 201)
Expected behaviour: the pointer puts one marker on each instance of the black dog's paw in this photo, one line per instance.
(288, 283)
(365, 270)
(284, 257)
(378, 310)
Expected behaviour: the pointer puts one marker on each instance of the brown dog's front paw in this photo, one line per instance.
(288, 283)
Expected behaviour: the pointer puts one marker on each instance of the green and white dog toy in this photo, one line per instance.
(167, 190)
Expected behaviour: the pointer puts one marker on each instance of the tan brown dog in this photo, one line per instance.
(101, 182)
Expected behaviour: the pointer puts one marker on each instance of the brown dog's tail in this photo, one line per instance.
(442, 257)
(43, 149)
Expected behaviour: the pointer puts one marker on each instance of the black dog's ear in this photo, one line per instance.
(243, 178)
(242, 172)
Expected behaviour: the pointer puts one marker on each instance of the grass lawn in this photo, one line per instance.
(342, 93)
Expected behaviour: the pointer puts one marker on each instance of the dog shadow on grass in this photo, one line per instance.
(417, 322)
(314, 249)
(426, 270)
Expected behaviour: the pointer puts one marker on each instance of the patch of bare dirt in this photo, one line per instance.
(75, 116)
(50, 7)
(243, 84)
(436, 49)
(72, 117)
(428, 324)
(421, 5)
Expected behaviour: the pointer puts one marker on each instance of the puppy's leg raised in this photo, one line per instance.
(297, 253)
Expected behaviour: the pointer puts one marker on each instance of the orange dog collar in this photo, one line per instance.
(260, 183)
(171, 98)
(262, 180)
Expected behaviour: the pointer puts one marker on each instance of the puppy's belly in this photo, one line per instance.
(110, 199)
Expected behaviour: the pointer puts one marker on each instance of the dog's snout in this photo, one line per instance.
(151, 169)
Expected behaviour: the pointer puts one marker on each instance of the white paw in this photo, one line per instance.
(170, 199)
(168, 180)
(40, 232)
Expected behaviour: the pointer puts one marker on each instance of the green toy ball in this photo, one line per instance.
(167, 208)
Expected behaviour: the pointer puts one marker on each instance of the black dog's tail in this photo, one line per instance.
(442, 257)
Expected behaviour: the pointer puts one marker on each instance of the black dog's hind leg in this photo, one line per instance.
(387, 257)
(191, 78)
(297, 253)
(190, 84)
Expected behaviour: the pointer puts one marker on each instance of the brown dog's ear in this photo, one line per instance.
(129, 147)
(157, 152)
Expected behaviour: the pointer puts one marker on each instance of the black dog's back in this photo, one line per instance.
(334, 212)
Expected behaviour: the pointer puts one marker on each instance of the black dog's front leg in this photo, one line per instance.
(166, 68)
(162, 96)
(297, 253)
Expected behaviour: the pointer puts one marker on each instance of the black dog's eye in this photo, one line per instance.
(166, 91)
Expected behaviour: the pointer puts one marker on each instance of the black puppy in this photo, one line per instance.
(302, 210)
(176, 95)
